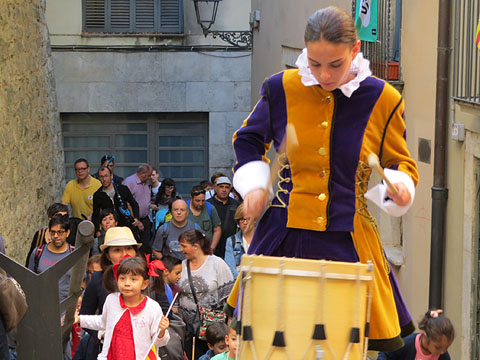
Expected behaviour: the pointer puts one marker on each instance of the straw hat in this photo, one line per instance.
(119, 236)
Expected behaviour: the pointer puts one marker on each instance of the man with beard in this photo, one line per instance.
(226, 207)
(205, 215)
(49, 254)
(113, 196)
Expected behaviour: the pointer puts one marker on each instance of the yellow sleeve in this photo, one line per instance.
(393, 152)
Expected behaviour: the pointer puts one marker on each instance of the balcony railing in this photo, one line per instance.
(466, 55)
(384, 54)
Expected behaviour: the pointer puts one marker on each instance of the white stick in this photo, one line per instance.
(158, 331)
(171, 305)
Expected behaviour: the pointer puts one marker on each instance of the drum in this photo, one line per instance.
(303, 309)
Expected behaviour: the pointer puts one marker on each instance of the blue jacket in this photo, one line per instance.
(233, 252)
(207, 356)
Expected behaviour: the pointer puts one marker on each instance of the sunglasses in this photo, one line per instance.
(109, 158)
(196, 193)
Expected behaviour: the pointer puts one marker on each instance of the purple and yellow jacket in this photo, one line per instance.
(325, 176)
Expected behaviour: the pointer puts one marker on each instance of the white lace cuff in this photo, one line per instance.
(377, 194)
(251, 176)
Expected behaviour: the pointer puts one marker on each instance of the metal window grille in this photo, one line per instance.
(384, 54)
(175, 143)
(466, 56)
(133, 16)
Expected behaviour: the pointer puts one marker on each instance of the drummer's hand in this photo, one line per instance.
(254, 203)
(403, 197)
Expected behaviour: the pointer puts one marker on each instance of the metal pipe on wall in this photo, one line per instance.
(439, 190)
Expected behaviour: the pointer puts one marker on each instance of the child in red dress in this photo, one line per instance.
(131, 320)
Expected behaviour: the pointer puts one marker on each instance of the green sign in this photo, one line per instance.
(366, 20)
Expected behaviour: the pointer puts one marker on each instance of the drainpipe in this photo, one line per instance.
(439, 191)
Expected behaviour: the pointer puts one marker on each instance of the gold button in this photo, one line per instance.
(328, 99)
(320, 220)
(324, 124)
(322, 151)
(323, 173)
(322, 197)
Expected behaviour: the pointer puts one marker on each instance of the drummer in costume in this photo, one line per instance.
(340, 114)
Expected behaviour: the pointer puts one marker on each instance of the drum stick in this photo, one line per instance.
(276, 165)
(374, 164)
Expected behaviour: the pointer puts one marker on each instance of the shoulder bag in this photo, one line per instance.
(174, 350)
(203, 316)
(13, 304)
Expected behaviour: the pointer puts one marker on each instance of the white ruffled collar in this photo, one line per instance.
(360, 67)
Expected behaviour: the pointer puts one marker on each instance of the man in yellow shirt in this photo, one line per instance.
(79, 192)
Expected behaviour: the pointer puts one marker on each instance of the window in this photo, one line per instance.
(175, 143)
(384, 54)
(466, 56)
(133, 16)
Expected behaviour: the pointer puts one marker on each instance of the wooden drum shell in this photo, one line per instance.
(309, 292)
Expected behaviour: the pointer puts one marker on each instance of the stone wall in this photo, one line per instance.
(174, 81)
(31, 161)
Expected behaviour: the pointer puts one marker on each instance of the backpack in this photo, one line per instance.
(234, 236)
(162, 216)
(209, 208)
(38, 255)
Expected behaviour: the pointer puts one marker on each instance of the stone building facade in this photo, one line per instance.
(31, 161)
(167, 96)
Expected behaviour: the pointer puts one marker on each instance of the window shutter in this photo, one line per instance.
(133, 16)
(94, 18)
(145, 16)
(171, 16)
(120, 15)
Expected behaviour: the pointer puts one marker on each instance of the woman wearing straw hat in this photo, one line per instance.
(119, 241)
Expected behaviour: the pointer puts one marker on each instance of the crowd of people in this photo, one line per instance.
(145, 217)
(195, 243)
(152, 241)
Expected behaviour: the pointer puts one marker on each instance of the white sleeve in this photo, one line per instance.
(251, 176)
(164, 340)
(93, 322)
(377, 194)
